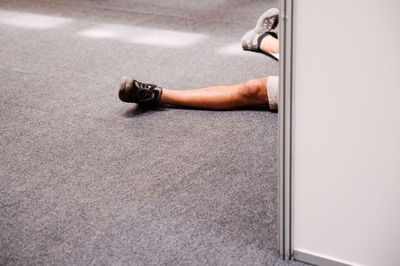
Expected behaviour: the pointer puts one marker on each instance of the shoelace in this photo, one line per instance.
(145, 86)
(269, 22)
(145, 90)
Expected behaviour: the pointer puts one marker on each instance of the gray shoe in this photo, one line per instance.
(266, 23)
(133, 91)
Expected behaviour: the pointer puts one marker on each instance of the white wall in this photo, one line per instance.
(346, 130)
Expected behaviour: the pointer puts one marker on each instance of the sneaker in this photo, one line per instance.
(133, 91)
(265, 24)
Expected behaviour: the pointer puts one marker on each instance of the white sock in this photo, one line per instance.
(275, 55)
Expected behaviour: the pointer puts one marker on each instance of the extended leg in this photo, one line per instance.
(252, 92)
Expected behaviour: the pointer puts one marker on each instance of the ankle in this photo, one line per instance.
(269, 44)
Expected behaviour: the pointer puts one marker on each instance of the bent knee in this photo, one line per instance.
(254, 88)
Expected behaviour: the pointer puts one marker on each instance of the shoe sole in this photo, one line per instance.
(248, 38)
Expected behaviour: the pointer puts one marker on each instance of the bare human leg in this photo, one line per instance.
(252, 92)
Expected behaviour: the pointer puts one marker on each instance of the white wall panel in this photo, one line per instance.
(346, 130)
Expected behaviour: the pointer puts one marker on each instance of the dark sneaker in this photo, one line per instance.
(133, 91)
(265, 24)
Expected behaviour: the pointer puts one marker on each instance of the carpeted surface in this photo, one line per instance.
(87, 179)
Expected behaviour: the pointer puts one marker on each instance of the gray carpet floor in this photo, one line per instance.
(87, 179)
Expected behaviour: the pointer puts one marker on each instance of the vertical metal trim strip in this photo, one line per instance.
(290, 155)
(281, 199)
(285, 131)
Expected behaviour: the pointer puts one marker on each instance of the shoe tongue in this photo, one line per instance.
(140, 85)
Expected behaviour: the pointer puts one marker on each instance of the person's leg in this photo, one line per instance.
(252, 92)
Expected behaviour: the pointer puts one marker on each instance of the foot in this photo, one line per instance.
(133, 91)
(265, 25)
